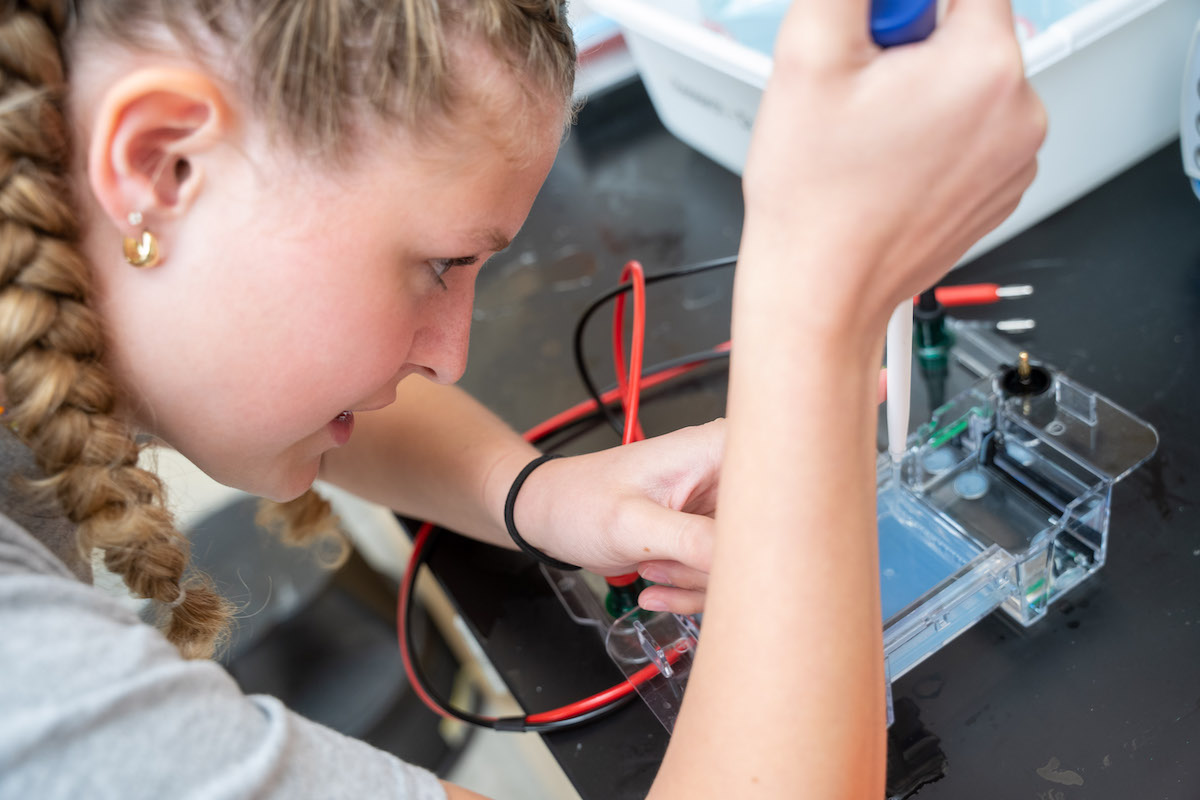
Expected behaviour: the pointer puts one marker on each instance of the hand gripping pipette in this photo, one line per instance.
(898, 22)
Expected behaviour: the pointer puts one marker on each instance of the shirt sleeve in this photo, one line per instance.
(95, 703)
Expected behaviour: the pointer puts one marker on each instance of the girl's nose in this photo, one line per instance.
(440, 344)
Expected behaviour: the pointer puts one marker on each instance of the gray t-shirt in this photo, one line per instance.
(95, 703)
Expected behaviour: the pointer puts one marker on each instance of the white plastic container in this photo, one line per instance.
(1109, 75)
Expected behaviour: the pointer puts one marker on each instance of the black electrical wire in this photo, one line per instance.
(581, 365)
(519, 724)
(682, 361)
(421, 556)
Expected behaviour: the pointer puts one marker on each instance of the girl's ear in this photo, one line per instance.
(149, 138)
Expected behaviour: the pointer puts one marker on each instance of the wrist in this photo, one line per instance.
(498, 481)
(810, 288)
(514, 493)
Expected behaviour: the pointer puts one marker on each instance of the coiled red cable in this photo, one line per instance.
(628, 391)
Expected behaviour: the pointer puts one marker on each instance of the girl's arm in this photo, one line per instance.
(439, 455)
(436, 454)
(787, 690)
(871, 172)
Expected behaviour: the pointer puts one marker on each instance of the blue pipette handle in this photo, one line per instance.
(895, 22)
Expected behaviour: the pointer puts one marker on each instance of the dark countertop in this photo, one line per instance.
(1105, 690)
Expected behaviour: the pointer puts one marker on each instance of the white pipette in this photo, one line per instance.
(899, 379)
(901, 22)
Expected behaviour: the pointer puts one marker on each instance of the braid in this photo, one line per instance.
(60, 397)
(307, 521)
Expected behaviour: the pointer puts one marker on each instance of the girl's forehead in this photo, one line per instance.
(462, 191)
(498, 124)
(499, 109)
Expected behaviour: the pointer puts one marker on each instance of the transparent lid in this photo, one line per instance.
(655, 651)
(1091, 428)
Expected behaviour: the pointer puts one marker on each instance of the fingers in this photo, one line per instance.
(883, 385)
(825, 31)
(674, 574)
(984, 26)
(668, 535)
(676, 601)
(996, 13)
(848, 15)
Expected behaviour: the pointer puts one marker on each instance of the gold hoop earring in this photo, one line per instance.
(141, 252)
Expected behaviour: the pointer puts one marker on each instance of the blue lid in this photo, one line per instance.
(895, 22)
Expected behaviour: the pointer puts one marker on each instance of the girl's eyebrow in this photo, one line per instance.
(492, 240)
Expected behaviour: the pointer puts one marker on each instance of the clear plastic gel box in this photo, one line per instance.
(1001, 502)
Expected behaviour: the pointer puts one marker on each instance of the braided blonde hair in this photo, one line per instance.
(312, 65)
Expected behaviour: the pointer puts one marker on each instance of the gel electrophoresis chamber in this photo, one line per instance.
(1001, 501)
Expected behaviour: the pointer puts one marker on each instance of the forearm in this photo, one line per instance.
(435, 454)
(792, 646)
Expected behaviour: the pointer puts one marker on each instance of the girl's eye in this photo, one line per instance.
(440, 266)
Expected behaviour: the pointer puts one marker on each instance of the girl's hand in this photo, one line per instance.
(895, 161)
(646, 507)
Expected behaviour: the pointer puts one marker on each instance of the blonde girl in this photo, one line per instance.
(251, 229)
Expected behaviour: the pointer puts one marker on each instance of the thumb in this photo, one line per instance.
(663, 534)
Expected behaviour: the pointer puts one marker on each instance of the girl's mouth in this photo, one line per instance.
(341, 427)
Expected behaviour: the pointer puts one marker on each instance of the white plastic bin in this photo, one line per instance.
(1109, 75)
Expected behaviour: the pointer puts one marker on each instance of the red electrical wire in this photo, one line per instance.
(976, 294)
(629, 388)
(578, 708)
(560, 420)
(581, 410)
(410, 575)
(601, 699)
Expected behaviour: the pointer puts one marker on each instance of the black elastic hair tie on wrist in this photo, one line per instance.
(511, 503)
